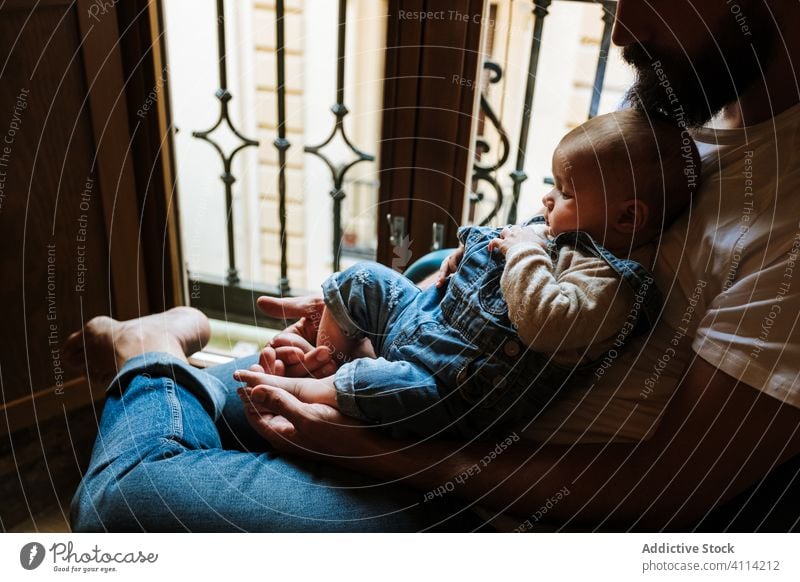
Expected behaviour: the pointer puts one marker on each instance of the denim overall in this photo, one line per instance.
(450, 361)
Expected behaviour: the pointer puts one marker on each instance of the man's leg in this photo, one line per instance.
(234, 430)
(158, 465)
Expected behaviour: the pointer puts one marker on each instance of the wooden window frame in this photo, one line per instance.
(430, 100)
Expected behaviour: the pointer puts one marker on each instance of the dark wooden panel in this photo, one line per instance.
(400, 117)
(27, 5)
(102, 65)
(449, 68)
(142, 44)
(41, 466)
(52, 224)
(429, 94)
(70, 215)
(462, 162)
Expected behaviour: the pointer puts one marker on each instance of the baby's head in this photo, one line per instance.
(622, 178)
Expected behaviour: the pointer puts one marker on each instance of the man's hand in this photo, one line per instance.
(306, 310)
(449, 265)
(514, 235)
(310, 430)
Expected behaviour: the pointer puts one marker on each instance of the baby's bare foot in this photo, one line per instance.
(105, 344)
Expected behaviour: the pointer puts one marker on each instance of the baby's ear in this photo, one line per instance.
(632, 216)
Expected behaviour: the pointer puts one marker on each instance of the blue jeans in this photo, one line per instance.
(175, 453)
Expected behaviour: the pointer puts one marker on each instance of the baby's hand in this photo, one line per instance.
(514, 235)
(450, 265)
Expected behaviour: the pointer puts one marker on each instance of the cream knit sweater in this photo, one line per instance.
(572, 308)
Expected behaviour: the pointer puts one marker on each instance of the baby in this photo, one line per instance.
(517, 312)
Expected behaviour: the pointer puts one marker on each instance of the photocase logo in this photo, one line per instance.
(31, 555)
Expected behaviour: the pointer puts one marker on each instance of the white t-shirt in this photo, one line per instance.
(730, 274)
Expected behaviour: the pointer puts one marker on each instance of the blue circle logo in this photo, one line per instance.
(31, 555)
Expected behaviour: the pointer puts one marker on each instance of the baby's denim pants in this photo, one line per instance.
(450, 362)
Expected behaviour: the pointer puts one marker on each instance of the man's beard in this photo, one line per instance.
(701, 84)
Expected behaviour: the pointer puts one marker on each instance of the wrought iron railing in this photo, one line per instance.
(224, 96)
(338, 172)
(230, 298)
(488, 172)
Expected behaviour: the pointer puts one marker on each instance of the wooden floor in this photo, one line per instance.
(54, 520)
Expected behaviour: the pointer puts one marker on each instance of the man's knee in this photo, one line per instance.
(97, 508)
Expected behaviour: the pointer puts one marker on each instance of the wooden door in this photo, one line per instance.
(72, 220)
(430, 95)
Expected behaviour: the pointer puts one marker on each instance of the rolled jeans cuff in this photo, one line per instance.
(336, 305)
(344, 381)
(208, 390)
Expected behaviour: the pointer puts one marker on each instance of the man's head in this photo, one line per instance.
(621, 177)
(693, 57)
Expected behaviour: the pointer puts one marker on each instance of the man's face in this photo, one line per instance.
(698, 55)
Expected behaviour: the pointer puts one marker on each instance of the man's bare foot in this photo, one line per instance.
(105, 344)
(308, 390)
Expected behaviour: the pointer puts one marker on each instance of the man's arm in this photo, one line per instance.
(716, 437)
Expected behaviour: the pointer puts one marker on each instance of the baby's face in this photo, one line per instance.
(580, 199)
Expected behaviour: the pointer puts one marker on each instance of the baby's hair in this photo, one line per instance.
(661, 157)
